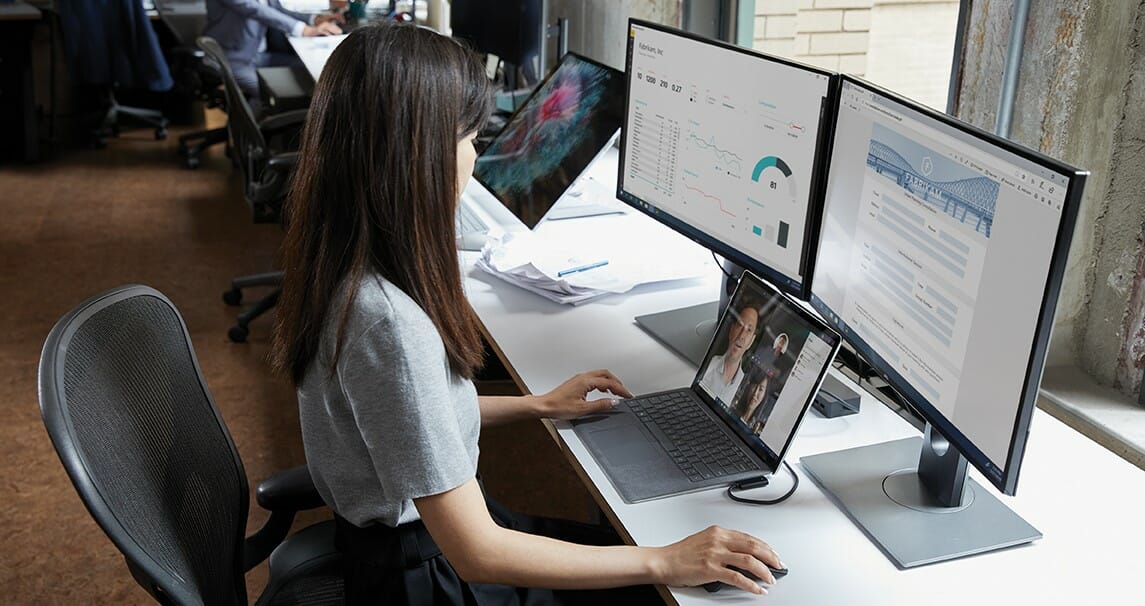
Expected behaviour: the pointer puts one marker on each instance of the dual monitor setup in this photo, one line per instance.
(935, 249)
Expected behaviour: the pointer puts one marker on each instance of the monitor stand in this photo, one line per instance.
(688, 331)
(917, 509)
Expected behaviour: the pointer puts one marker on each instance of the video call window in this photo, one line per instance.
(764, 364)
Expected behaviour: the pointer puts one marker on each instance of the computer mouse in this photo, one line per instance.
(715, 586)
(471, 241)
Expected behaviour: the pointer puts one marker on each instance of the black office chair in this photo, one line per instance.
(263, 151)
(132, 420)
(193, 75)
(208, 89)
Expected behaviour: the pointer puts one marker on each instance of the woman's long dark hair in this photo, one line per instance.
(375, 189)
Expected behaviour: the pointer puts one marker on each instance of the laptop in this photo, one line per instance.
(759, 375)
(569, 120)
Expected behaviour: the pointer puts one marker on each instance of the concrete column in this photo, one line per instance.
(1080, 99)
(597, 28)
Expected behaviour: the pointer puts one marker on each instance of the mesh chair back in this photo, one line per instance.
(246, 137)
(130, 416)
(265, 186)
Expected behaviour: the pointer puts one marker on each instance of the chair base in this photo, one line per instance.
(241, 330)
(192, 145)
(108, 124)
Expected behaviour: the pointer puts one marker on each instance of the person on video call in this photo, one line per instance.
(753, 410)
(375, 333)
(724, 373)
(765, 360)
(240, 27)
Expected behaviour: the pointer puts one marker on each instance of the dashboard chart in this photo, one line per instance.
(723, 140)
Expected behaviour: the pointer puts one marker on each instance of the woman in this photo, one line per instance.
(375, 332)
(754, 412)
(750, 395)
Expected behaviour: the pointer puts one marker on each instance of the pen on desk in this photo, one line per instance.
(573, 270)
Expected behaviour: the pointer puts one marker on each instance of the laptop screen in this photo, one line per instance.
(764, 366)
(568, 120)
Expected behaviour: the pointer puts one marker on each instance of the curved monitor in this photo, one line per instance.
(940, 260)
(723, 144)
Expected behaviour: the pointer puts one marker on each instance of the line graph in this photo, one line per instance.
(710, 197)
(729, 158)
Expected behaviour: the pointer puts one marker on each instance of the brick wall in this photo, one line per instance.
(905, 45)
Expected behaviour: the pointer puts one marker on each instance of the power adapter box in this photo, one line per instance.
(835, 399)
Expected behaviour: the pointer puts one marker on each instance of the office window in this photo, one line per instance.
(905, 47)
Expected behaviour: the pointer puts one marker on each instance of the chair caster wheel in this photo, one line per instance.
(192, 163)
(160, 134)
(233, 296)
(238, 334)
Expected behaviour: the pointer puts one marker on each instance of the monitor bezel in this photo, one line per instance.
(1007, 480)
(800, 288)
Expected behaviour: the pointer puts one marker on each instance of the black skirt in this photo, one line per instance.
(403, 565)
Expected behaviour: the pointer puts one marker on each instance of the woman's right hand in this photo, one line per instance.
(705, 556)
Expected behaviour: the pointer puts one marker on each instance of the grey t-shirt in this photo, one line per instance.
(394, 422)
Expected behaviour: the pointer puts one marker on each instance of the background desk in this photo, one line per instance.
(19, 136)
(1086, 501)
(314, 51)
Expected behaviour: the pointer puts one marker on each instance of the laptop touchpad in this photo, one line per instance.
(626, 446)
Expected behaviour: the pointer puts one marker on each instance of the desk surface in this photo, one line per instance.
(18, 11)
(314, 51)
(1086, 501)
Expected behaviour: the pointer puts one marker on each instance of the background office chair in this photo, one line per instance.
(208, 89)
(192, 74)
(263, 150)
(130, 416)
(110, 44)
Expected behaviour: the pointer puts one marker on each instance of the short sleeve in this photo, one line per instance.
(397, 381)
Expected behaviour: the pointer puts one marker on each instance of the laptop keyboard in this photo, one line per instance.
(698, 447)
(468, 221)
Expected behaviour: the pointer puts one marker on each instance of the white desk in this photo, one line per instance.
(314, 51)
(1087, 502)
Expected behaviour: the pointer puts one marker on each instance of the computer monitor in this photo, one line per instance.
(940, 260)
(722, 144)
(567, 122)
(512, 30)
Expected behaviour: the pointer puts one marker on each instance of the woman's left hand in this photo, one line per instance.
(568, 401)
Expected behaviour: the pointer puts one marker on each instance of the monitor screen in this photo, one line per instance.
(940, 260)
(721, 143)
(567, 122)
(764, 366)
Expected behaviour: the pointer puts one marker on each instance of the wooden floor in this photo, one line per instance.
(89, 220)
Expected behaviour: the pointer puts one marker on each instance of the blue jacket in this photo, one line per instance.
(111, 42)
(239, 26)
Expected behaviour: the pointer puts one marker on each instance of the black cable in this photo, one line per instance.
(720, 265)
(758, 482)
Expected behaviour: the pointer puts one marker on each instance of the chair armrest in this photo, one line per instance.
(283, 494)
(282, 162)
(265, 194)
(279, 122)
(290, 489)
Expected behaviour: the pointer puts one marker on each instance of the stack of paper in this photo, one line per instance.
(571, 270)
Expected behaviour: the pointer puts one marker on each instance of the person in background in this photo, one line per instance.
(375, 332)
(241, 26)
